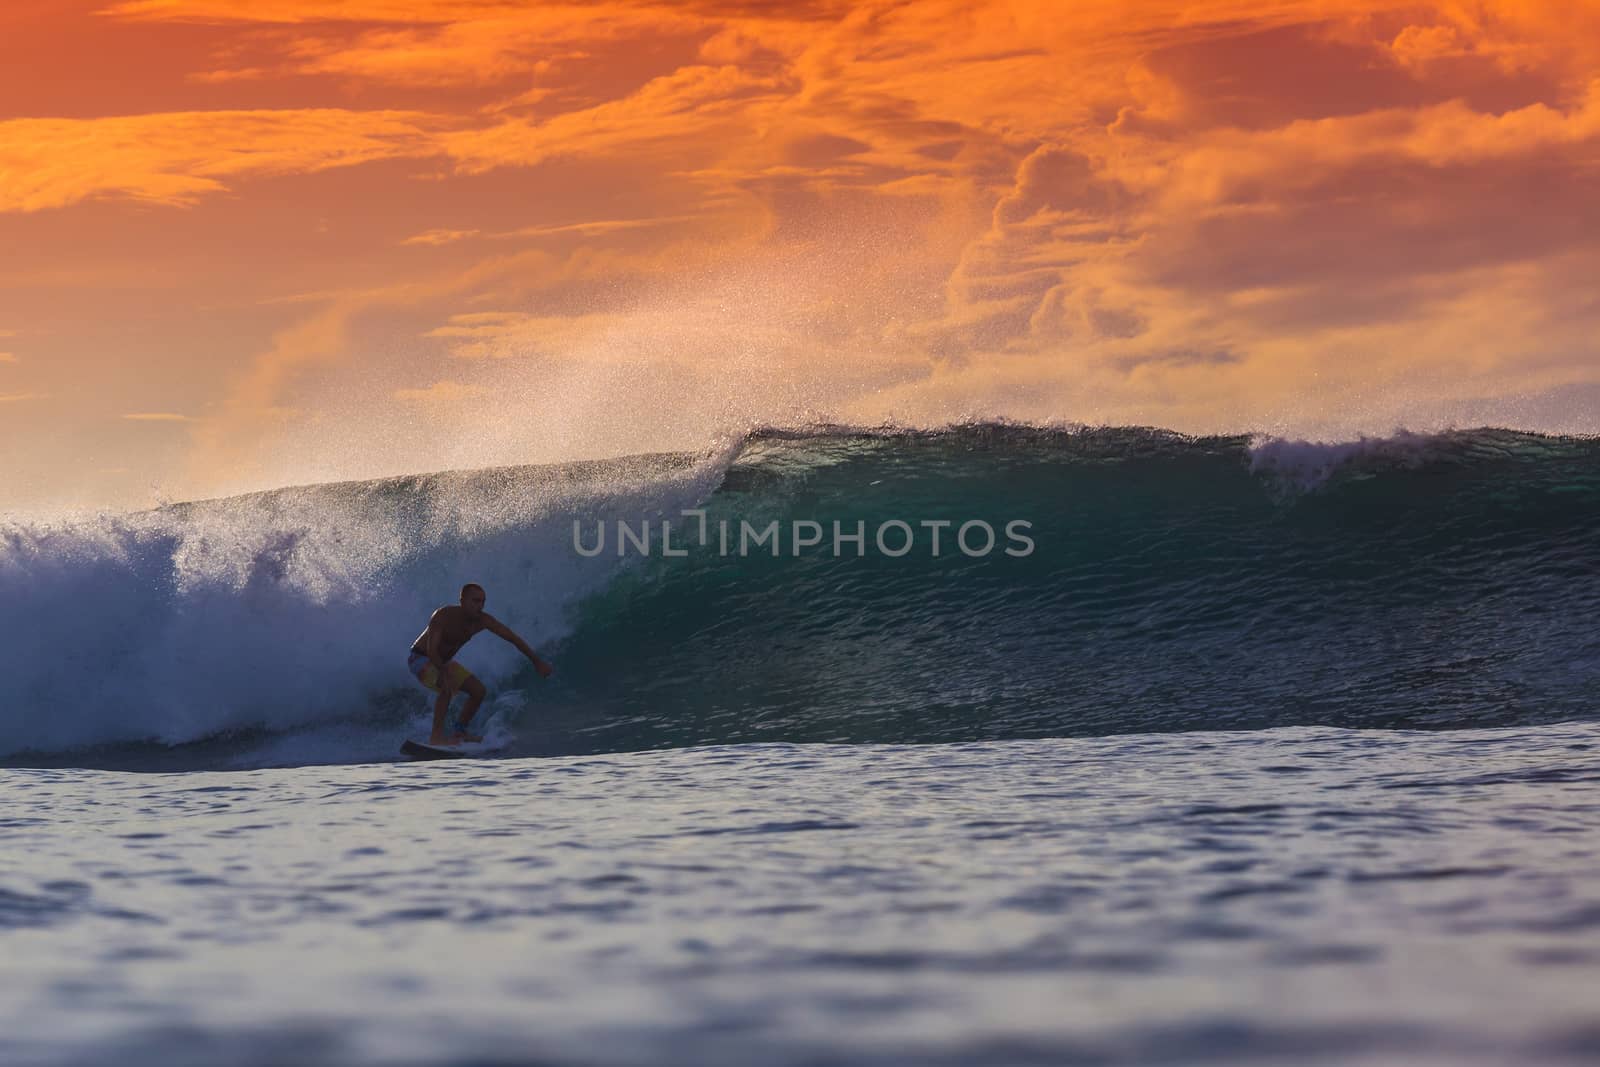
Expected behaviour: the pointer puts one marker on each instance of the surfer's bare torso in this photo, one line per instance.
(455, 629)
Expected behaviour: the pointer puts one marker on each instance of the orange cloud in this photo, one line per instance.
(675, 115)
(441, 392)
(296, 11)
(492, 47)
(439, 237)
(515, 334)
(174, 158)
(1416, 46)
(597, 228)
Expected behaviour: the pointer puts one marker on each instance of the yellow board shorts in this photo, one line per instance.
(428, 674)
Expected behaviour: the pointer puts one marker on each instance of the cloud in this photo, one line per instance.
(674, 115)
(176, 157)
(491, 47)
(219, 77)
(157, 416)
(8, 357)
(295, 11)
(20, 398)
(517, 334)
(439, 237)
(439, 44)
(1236, 249)
(595, 228)
(441, 392)
(1415, 47)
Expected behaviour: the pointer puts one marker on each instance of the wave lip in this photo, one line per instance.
(1307, 465)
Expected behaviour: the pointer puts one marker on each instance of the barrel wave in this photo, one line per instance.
(1136, 581)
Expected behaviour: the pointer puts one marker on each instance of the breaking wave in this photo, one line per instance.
(1170, 583)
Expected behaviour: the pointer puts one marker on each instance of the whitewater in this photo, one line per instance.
(1262, 750)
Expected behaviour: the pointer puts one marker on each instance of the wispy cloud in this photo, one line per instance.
(177, 157)
(595, 228)
(157, 416)
(295, 11)
(439, 44)
(441, 392)
(440, 237)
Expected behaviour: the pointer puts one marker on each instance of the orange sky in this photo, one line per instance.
(287, 241)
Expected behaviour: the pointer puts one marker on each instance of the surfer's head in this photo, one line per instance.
(473, 598)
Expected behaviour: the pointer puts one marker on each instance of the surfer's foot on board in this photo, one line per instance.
(463, 736)
(441, 741)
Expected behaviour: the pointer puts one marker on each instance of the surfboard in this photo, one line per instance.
(418, 750)
(466, 750)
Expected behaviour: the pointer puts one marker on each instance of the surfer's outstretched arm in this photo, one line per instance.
(501, 630)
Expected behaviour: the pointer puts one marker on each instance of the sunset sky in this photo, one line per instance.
(245, 245)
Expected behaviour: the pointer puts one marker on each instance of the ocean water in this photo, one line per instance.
(1263, 752)
(1304, 895)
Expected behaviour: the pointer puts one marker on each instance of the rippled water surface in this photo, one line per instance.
(1292, 895)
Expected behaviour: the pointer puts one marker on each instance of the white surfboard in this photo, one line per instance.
(468, 749)
(423, 750)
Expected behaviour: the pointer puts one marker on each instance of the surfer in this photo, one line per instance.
(433, 659)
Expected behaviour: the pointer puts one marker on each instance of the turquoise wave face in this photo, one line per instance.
(1173, 584)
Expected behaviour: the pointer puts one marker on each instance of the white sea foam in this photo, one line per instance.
(286, 609)
(1306, 465)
